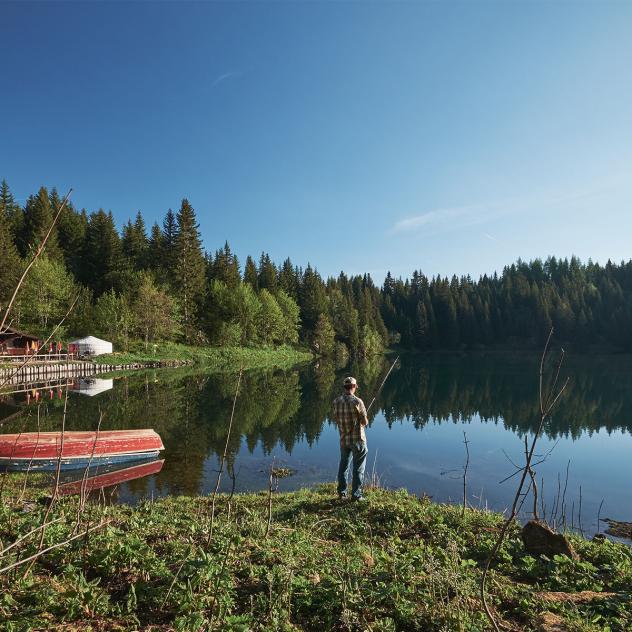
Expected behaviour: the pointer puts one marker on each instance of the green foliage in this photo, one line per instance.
(395, 563)
(371, 344)
(324, 336)
(228, 357)
(38, 218)
(270, 319)
(46, 295)
(590, 305)
(189, 269)
(113, 317)
(101, 259)
(10, 264)
(238, 307)
(291, 317)
(155, 313)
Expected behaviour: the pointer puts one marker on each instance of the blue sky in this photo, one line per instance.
(448, 137)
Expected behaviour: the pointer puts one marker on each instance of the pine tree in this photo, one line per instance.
(134, 243)
(288, 279)
(155, 250)
(267, 274)
(38, 218)
(72, 233)
(312, 299)
(101, 268)
(250, 273)
(225, 267)
(13, 217)
(169, 237)
(189, 269)
(10, 263)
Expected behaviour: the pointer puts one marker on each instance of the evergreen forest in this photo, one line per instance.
(160, 284)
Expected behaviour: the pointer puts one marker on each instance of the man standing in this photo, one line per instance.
(349, 413)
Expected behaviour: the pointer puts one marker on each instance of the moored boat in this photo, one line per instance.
(44, 450)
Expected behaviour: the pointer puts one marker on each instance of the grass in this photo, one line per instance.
(217, 358)
(396, 562)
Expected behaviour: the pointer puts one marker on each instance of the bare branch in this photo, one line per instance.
(34, 258)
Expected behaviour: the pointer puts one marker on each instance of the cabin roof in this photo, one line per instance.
(10, 332)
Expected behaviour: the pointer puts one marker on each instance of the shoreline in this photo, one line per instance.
(213, 358)
(300, 560)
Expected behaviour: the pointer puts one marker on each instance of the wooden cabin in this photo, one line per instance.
(14, 342)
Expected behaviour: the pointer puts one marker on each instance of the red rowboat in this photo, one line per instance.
(42, 450)
(107, 479)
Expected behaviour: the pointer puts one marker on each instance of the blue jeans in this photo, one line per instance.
(359, 452)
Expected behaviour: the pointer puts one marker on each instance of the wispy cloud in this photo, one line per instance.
(454, 218)
(223, 77)
(446, 218)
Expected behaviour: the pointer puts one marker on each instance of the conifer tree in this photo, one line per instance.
(189, 271)
(288, 279)
(10, 263)
(155, 250)
(101, 268)
(72, 233)
(134, 243)
(12, 214)
(312, 298)
(169, 237)
(38, 218)
(250, 273)
(225, 267)
(267, 274)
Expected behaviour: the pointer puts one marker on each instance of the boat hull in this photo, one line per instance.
(45, 450)
(50, 465)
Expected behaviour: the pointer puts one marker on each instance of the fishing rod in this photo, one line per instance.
(382, 384)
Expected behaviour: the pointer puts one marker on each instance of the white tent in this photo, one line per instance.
(92, 346)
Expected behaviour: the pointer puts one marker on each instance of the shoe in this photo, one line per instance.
(358, 498)
(342, 495)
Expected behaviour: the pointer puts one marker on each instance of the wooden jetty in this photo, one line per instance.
(39, 371)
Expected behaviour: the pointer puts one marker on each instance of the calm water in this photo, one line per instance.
(415, 438)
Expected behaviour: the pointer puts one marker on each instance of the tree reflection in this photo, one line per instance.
(191, 409)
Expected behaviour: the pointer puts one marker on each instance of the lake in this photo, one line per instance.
(416, 434)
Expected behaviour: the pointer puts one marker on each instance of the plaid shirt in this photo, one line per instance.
(348, 413)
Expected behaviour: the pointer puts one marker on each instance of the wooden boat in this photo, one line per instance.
(43, 450)
(105, 477)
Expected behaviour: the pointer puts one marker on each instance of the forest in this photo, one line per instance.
(162, 284)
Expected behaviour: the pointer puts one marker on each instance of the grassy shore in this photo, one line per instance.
(216, 358)
(396, 562)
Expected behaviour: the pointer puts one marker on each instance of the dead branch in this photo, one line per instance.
(465, 467)
(546, 406)
(33, 557)
(223, 459)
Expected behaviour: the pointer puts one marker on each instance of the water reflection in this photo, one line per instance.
(494, 398)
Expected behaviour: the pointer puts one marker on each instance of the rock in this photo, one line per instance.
(540, 539)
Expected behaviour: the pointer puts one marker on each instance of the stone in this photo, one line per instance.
(540, 539)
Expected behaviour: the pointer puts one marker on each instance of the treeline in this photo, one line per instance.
(161, 284)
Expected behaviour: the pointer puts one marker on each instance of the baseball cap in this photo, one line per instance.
(349, 381)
